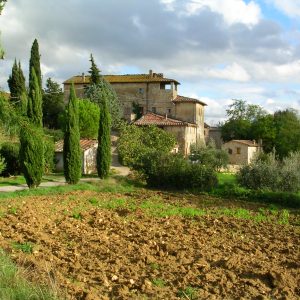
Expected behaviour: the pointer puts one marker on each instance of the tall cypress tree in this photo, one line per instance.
(16, 83)
(94, 71)
(32, 154)
(104, 142)
(72, 151)
(34, 63)
(34, 107)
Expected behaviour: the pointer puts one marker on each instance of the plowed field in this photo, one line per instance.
(153, 245)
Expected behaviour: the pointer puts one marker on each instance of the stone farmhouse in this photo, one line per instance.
(241, 152)
(158, 102)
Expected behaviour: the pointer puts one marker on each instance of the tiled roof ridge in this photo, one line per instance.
(180, 98)
(161, 120)
(246, 142)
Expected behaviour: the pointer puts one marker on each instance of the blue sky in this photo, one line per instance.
(218, 49)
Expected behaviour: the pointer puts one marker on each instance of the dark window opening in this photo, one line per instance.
(154, 109)
(229, 151)
(238, 150)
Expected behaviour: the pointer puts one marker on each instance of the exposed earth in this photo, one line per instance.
(92, 246)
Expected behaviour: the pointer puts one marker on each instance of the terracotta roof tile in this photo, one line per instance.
(85, 144)
(187, 99)
(159, 120)
(133, 78)
(246, 142)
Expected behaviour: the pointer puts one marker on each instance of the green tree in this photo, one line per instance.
(53, 104)
(2, 3)
(89, 114)
(32, 154)
(72, 151)
(240, 118)
(104, 142)
(34, 107)
(100, 89)
(16, 83)
(287, 127)
(34, 64)
(94, 71)
(136, 144)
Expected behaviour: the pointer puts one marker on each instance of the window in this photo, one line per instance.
(238, 150)
(162, 86)
(229, 151)
(154, 109)
(141, 91)
(168, 111)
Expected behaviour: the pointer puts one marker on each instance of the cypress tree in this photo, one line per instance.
(104, 142)
(34, 106)
(16, 83)
(94, 71)
(72, 151)
(34, 63)
(32, 154)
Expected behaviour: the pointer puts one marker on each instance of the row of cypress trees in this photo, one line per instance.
(31, 131)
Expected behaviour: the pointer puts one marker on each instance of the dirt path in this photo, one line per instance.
(93, 253)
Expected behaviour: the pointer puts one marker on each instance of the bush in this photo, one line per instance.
(267, 173)
(32, 154)
(136, 143)
(49, 155)
(2, 164)
(10, 152)
(174, 171)
(209, 156)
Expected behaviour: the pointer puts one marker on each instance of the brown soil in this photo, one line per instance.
(92, 253)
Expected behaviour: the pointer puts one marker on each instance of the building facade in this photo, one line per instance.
(155, 94)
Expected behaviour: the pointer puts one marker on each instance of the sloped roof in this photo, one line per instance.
(159, 120)
(188, 100)
(246, 142)
(128, 78)
(85, 144)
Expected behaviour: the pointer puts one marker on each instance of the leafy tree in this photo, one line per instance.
(72, 151)
(89, 114)
(240, 118)
(209, 156)
(10, 152)
(2, 3)
(104, 142)
(138, 143)
(94, 71)
(287, 127)
(32, 154)
(16, 83)
(100, 89)
(34, 108)
(34, 64)
(53, 104)
(2, 164)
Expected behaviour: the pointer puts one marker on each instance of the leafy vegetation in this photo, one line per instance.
(71, 150)
(14, 284)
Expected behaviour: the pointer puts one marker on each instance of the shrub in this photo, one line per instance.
(2, 164)
(174, 171)
(49, 155)
(209, 156)
(137, 143)
(32, 155)
(10, 152)
(267, 173)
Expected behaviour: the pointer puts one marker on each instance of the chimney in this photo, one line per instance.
(166, 116)
(83, 77)
(150, 73)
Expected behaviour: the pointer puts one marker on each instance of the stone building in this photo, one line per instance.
(155, 94)
(241, 152)
(89, 152)
(213, 133)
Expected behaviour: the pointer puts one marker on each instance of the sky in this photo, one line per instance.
(219, 50)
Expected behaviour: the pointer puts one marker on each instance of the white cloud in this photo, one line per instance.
(289, 7)
(233, 72)
(233, 11)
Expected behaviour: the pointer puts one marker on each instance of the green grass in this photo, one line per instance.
(159, 282)
(225, 178)
(15, 286)
(24, 247)
(188, 293)
(14, 181)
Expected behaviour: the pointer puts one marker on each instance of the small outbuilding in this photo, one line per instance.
(241, 152)
(89, 154)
